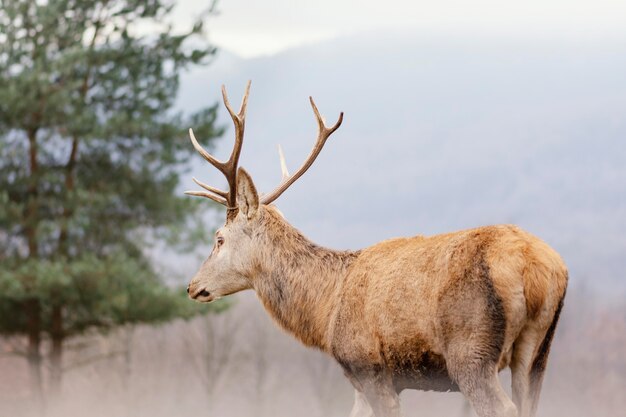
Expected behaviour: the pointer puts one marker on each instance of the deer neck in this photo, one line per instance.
(299, 283)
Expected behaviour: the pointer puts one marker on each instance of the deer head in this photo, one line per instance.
(240, 244)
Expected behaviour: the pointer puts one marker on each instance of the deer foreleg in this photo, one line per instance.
(361, 407)
(382, 396)
(375, 394)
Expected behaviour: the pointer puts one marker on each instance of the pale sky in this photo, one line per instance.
(253, 28)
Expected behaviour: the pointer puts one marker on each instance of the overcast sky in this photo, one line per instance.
(252, 28)
(477, 129)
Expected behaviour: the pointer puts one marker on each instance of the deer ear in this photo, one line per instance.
(247, 197)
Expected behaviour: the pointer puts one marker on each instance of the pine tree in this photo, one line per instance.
(90, 158)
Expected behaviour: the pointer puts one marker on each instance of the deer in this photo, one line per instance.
(438, 313)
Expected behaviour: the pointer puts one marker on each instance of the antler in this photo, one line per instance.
(228, 168)
(323, 134)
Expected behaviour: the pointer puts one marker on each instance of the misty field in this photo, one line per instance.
(239, 364)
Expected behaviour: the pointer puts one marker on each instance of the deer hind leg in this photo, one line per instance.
(528, 365)
(523, 353)
(480, 384)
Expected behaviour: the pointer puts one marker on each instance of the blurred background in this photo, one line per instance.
(457, 114)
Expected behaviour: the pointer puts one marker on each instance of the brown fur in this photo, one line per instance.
(444, 312)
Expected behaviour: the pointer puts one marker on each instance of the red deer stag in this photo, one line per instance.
(443, 313)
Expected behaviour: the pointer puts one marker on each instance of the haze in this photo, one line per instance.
(250, 28)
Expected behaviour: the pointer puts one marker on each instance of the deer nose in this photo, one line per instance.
(194, 293)
(187, 289)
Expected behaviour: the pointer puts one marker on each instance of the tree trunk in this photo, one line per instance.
(128, 367)
(32, 306)
(30, 211)
(33, 317)
(56, 353)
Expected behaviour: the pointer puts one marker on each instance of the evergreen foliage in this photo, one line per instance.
(90, 157)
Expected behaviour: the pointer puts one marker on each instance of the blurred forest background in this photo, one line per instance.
(443, 131)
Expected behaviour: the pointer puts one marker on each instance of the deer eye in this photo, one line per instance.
(219, 240)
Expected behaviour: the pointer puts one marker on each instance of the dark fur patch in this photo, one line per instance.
(494, 311)
(541, 360)
(277, 295)
(471, 305)
(231, 214)
(275, 291)
(422, 370)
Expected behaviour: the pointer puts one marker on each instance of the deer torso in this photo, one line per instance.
(406, 303)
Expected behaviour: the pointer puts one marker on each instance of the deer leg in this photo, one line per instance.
(375, 394)
(372, 395)
(361, 407)
(530, 356)
(478, 381)
(521, 361)
(382, 395)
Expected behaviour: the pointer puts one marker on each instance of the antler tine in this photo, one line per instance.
(239, 119)
(320, 120)
(323, 134)
(244, 102)
(283, 164)
(212, 160)
(213, 197)
(209, 188)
